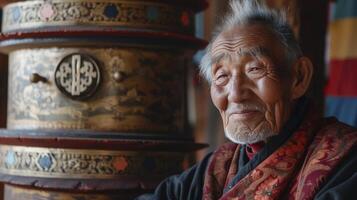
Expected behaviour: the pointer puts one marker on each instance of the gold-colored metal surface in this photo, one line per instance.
(37, 14)
(86, 164)
(147, 97)
(97, 96)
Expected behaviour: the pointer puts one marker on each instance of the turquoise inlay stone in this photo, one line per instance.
(10, 158)
(149, 164)
(45, 161)
(111, 11)
(152, 13)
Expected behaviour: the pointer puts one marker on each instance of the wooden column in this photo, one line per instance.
(312, 37)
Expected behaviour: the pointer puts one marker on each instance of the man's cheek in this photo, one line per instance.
(219, 98)
(275, 114)
(270, 115)
(268, 90)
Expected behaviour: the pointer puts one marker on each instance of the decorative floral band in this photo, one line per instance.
(84, 164)
(96, 14)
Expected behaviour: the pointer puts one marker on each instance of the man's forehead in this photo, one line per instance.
(227, 54)
(251, 40)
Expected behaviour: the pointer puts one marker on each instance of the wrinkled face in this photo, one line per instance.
(251, 83)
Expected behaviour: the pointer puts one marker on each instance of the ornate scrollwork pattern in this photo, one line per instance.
(141, 91)
(108, 13)
(72, 163)
(77, 76)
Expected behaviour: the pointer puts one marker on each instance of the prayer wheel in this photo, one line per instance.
(96, 96)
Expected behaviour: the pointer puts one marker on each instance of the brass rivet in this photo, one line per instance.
(117, 76)
(35, 78)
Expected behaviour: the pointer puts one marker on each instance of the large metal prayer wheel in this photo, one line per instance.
(97, 96)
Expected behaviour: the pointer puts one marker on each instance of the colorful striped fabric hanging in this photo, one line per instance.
(341, 91)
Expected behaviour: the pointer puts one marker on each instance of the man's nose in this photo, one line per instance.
(237, 90)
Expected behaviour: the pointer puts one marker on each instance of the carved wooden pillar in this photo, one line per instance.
(97, 102)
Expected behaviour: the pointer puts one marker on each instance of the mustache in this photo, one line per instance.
(244, 107)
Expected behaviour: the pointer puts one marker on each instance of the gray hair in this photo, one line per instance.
(245, 12)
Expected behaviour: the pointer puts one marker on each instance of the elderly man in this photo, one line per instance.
(258, 78)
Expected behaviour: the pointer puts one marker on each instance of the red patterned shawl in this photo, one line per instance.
(296, 170)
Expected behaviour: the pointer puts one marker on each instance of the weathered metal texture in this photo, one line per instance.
(97, 100)
(84, 161)
(29, 15)
(86, 164)
(141, 90)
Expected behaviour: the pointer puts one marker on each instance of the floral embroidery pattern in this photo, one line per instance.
(218, 168)
(267, 189)
(328, 148)
(269, 180)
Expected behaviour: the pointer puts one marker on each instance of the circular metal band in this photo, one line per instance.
(86, 164)
(96, 14)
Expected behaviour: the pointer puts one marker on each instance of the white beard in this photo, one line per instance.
(242, 135)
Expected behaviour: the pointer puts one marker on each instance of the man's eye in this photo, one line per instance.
(221, 79)
(254, 69)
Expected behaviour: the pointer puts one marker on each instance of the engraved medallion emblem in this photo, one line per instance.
(77, 76)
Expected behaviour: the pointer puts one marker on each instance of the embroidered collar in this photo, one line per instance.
(245, 165)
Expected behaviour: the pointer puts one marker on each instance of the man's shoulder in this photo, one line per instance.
(334, 137)
(334, 157)
(330, 151)
(333, 142)
(336, 130)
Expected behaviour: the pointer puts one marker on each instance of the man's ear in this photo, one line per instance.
(302, 73)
